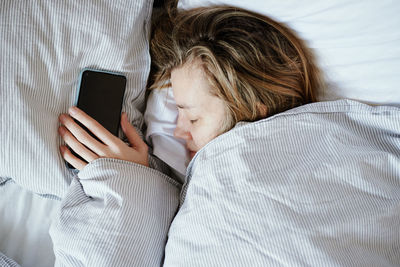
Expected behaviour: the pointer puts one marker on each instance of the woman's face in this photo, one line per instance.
(201, 115)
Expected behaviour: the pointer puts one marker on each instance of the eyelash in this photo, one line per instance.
(192, 121)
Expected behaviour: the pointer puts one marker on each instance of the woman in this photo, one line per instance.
(225, 65)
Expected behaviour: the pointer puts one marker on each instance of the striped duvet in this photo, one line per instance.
(318, 185)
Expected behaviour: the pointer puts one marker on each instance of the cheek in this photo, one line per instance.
(210, 125)
(201, 135)
(199, 139)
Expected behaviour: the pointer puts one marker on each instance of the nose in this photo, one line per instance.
(181, 130)
(180, 133)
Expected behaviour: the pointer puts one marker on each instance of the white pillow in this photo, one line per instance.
(160, 117)
(43, 46)
(357, 42)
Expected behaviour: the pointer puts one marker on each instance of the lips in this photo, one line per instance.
(192, 153)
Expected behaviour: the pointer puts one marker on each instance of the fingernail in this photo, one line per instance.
(72, 110)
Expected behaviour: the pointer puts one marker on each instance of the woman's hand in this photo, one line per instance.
(90, 149)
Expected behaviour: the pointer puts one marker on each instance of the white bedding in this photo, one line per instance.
(318, 185)
(360, 52)
(160, 117)
(44, 45)
(24, 226)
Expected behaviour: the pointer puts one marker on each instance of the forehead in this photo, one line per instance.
(190, 84)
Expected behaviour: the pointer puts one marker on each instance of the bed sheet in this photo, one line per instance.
(24, 226)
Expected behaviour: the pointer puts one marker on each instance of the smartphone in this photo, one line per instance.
(100, 95)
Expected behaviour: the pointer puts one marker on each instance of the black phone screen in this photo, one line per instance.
(100, 96)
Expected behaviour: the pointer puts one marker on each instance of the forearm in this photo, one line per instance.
(116, 213)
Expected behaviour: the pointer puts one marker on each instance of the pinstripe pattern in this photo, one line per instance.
(117, 214)
(318, 186)
(44, 45)
(7, 262)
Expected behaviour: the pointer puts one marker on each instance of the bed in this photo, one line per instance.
(357, 43)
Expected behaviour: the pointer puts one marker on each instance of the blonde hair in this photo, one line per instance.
(250, 60)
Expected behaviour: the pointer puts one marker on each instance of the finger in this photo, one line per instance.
(134, 138)
(76, 146)
(71, 159)
(81, 135)
(102, 133)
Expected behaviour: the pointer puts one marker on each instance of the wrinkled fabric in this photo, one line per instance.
(44, 46)
(318, 185)
(116, 213)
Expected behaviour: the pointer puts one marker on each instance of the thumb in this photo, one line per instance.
(133, 137)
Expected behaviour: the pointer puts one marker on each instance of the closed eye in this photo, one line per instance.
(192, 121)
